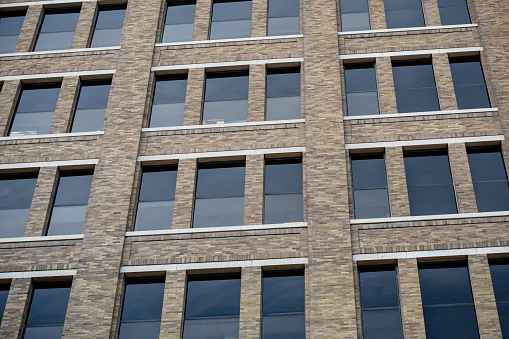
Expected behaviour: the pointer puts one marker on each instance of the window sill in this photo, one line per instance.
(56, 135)
(416, 114)
(236, 124)
(429, 217)
(43, 238)
(276, 37)
(77, 50)
(406, 29)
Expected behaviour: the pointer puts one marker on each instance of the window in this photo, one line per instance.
(453, 12)
(10, 27)
(499, 277)
(403, 13)
(156, 198)
(381, 316)
(283, 305)
(57, 29)
(429, 183)
(142, 309)
(16, 193)
(46, 314)
(361, 90)
(108, 26)
(225, 98)
(283, 94)
(179, 21)
(168, 102)
(4, 293)
(415, 86)
(447, 301)
(354, 15)
(283, 17)
(469, 83)
(230, 19)
(91, 106)
(283, 191)
(70, 203)
(219, 197)
(369, 182)
(34, 110)
(489, 178)
(212, 307)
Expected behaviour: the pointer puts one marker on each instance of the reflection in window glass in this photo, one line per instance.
(4, 293)
(453, 12)
(10, 27)
(283, 17)
(403, 13)
(230, 19)
(499, 277)
(469, 83)
(91, 106)
(283, 94)
(179, 21)
(57, 29)
(108, 26)
(361, 90)
(169, 101)
(354, 15)
(447, 302)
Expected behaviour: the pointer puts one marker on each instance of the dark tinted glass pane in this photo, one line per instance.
(154, 215)
(413, 75)
(417, 100)
(404, 18)
(232, 10)
(73, 190)
(362, 103)
(4, 293)
(378, 324)
(213, 212)
(283, 294)
(93, 95)
(219, 181)
(67, 220)
(213, 298)
(503, 316)
(454, 15)
(283, 26)
(429, 200)
(110, 18)
(371, 203)
(60, 22)
(427, 169)
(38, 99)
(354, 6)
(283, 8)
(44, 332)
(54, 41)
(229, 111)
(228, 86)
(379, 288)
(394, 5)
(282, 208)
(369, 172)
(106, 37)
(168, 90)
(178, 33)
(13, 222)
(282, 84)
(452, 3)
(158, 185)
(283, 177)
(143, 301)
(140, 329)
(86, 120)
(48, 306)
(486, 165)
(492, 196)
(472, 96)
(211, 328)
(466, 71)
(284, 327)
(11, 25)
(445, 285)
(8, 43)
(16, 192)
(180, 13)
(163, 115)
(500, 279)
(230, 29)
(283, 108)
(454, 322)
(360, 79)
(355, 21)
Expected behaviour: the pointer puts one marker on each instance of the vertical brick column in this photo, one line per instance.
(184, 194)
(29, 29)
(253, 192)
(194, 96)
(173, 304)
(462, 178)
(85, 25)
(256, 105)
(443, 78)
(7, 102)
(396, 178)
(411, 302)
(65, 105)
(259, 18)
(250, 303)
(41, 202)
(431, 12)
(15, 308)
(377, 12)
(484, 297)
(386, 91)
(202, 20)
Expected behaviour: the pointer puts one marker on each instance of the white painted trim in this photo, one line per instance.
(406, 29)
(415, 114)
(76, 50)
(38, 274)
(429, 254)
(430, 217)
(293, 36)
(57, 75)
(213, 265)
(217, 229)
(424, 142)
(409, 53)
(221, 154)
(56, 135)
(235, 124)
(45, 238)
(227, 64)
(49, 164)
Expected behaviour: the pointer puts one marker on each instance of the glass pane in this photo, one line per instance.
(283, 8)
(143, 301)
(48, 306)
(218, 212)
(369, 172)
(372, 203)
(180, 14)
(137, 330)
(54, 41)
(427, 169)
(492, 196)
(454, 15)
(60, 22)
(413, 75)
(93, 96)
(31, 123)
(8, 43)
(283, 177)
(110, 18)
(499, 278)
(73, 190)
(88, 120)
(178, 33)
(226, 86)
(284, 327)
(283, 108)
(213, 298)
(467, 71)
(227, 328)
(220, 181)
(166, 115)
(452, 3)
(230, 29)
(353, 6)
(473, 96)
(404, 18)
(283, 208)
(453, 322)
(283, 26)
(158, 185)
(355, 22)
(362, 103)
(283, 84)
(231, 10)
(16, 192)
(11, 24)
(44, 332)
(38, 99)
(283, 294)
(430, 200)
(503, 316)
(67, 220)
(170, 91)
(154, 215)
(391, 5)
(445, 285)
(219, 112)
(13, 222)
(106, 37)
(381, 324)
(486, 165)
(360, 79)
(4, 293)
(379, 288)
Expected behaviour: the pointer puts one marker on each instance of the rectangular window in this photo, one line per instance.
(212, 307)
(453, 12)
(34, 110)
(156, 198)
(108, 26)
(369, 182)
(489, 178)
(469, 83)
(416, 90)
(403, 13)
(283, 305)
(361, 90)
(70, 203)
(354, 15)
(141, 309)
(16, 192)
(447, 301)
(230, 19)
(179, 21)
(168, 101)
(429, 183)
(283, 191)
(10, 27)
(283, 17)
(91, 106)
(283, 94)
(381, 315)
(219, 197)
(57, 29)
(46, 313)
(225, 98)
(499, 277)
(4, 293)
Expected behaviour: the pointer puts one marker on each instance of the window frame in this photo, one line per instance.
(169, 77)
(473, 58)
(341, 18)
(282, 70)
(85, 83)
(96, 17)
(212, 21)
(46, 11)
(361, 66)
(177, 3)
(280, 17)
(15, 13)
(466, 7)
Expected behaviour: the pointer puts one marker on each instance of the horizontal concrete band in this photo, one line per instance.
(424, 142)
(59, 51)
(414, 114)
(293, 36)
(44, 238)
(56, 135)
(49, 164)
(235, 124)
(407, 29)
(429, 254)
(410, 53)
(214, 265)
(57, 75)
(38, 274)
(227, 64)
(430, 217)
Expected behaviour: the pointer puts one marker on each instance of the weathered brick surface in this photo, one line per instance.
(253, 191)
(7, 101)
(65, 105)
(194, 96)
(85, 24)
(411, 303)
(259, 18)
(396, 178)
(29, 29)
(202, 20)
(443, 79)
(377, 12)
(250, 303)
(173, 305)
(256, 97)
(462, 179)
(15, 308)
(386, 92)
(19, 257)
(431, 12)
(37, 217)
(184, 194)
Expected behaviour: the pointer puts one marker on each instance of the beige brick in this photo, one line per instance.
(41, 202)
(65, 105)
(377, 13)
(202, 20)
(443, 78)
(253, 192)
(259, 18)
(29, 29)
(184, 194)
(173, 304)
(8, 98)
(194, 96)
(250, 303)
(431, 13)
(85, 24)
(411, 303)
(386, 92)
(462, 179)
(15, 308)
(396, 177)
(256, 97)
